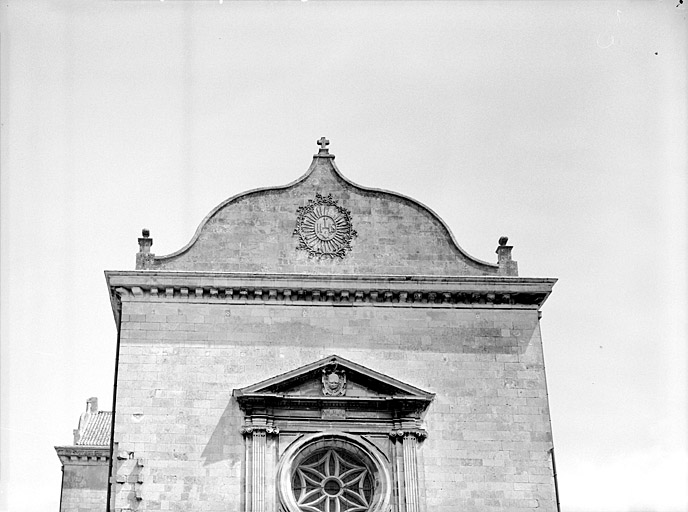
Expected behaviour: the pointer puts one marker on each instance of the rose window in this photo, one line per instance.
(332, 481)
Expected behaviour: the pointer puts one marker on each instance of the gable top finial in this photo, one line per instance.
(323, 143)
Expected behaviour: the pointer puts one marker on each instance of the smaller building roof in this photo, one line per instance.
(96, 432)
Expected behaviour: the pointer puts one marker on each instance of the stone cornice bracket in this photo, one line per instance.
(145, 258)
(116, 294)
(507, 266)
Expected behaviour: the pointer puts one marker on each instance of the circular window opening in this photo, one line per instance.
(332, 480)
(333, 486)
(333, 472)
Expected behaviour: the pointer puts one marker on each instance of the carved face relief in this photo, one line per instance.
(334, 383)
(324, 228)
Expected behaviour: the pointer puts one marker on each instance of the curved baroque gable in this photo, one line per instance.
(321, 224)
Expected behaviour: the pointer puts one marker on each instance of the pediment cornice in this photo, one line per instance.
(380, 391)
(280, 384)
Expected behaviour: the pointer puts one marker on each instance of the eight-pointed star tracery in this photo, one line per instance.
(331, 481)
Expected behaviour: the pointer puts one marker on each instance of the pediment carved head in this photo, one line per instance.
(333, 381)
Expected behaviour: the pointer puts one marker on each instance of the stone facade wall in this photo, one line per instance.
(84, 488)
(177, 425)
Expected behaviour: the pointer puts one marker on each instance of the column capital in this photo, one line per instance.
(252, 429)
(417, 433)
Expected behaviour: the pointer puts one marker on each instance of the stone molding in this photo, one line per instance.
(83, 455)
(252, 294)
(342, 290)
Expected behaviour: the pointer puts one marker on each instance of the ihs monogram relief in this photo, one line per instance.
(324, 228)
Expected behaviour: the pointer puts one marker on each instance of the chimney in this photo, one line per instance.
(92, 404)
(91, 409)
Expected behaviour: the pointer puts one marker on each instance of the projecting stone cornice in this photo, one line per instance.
(90, 455)
(334, 290)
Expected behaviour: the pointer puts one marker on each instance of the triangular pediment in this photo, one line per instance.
(352, 381)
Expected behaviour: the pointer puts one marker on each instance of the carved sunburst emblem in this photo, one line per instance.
(324, 228)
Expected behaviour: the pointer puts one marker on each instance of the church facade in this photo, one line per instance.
(326, 347)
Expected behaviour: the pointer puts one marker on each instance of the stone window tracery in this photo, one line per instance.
(333, 472)
(332, 481)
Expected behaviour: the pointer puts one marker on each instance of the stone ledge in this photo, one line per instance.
(327, 296)
(340, 290)
(202, 278)
(92, 455)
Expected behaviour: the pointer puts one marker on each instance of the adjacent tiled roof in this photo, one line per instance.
(97, 431)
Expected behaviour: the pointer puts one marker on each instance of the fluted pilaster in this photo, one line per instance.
(256, 447)
(407, 443)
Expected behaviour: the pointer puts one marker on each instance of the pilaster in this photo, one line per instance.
(258, 439)
(406, 465)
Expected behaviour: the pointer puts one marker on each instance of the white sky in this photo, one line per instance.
(560, 124)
